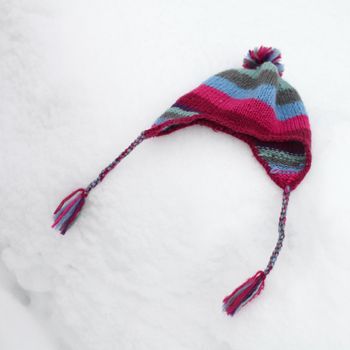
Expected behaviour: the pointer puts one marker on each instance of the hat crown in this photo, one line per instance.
(256, 105)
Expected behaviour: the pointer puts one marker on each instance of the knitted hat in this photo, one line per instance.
(253, 104)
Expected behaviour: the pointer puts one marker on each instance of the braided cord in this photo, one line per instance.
(115, 162)
(281, 234)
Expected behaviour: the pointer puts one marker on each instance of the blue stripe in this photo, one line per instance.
(180, 112)
(290, 110)
(264, 92)
(284, 169)
(300, 166)
(161, 120)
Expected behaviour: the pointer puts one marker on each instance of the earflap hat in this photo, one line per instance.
(254, 104)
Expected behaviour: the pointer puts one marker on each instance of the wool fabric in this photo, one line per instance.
(254, 104)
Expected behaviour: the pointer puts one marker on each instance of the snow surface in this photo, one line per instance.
(185, 218)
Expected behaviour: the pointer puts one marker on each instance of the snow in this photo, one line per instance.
(185, 218)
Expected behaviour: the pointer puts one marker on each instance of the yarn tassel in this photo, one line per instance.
(244, 293)
(68, 210)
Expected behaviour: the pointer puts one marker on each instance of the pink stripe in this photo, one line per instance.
(238, 112)
(252, 109)
(224, 101)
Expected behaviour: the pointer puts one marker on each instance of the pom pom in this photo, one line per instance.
(68, 210)
(258, 56)
(244, 293)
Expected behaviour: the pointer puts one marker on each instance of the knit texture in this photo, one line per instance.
(254, 104)
(257, 106)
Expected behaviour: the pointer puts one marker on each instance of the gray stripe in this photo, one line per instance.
(280, 157)
(245, 81)
(171, 115)
(287, 96)
(180, 111)
(288, 162)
